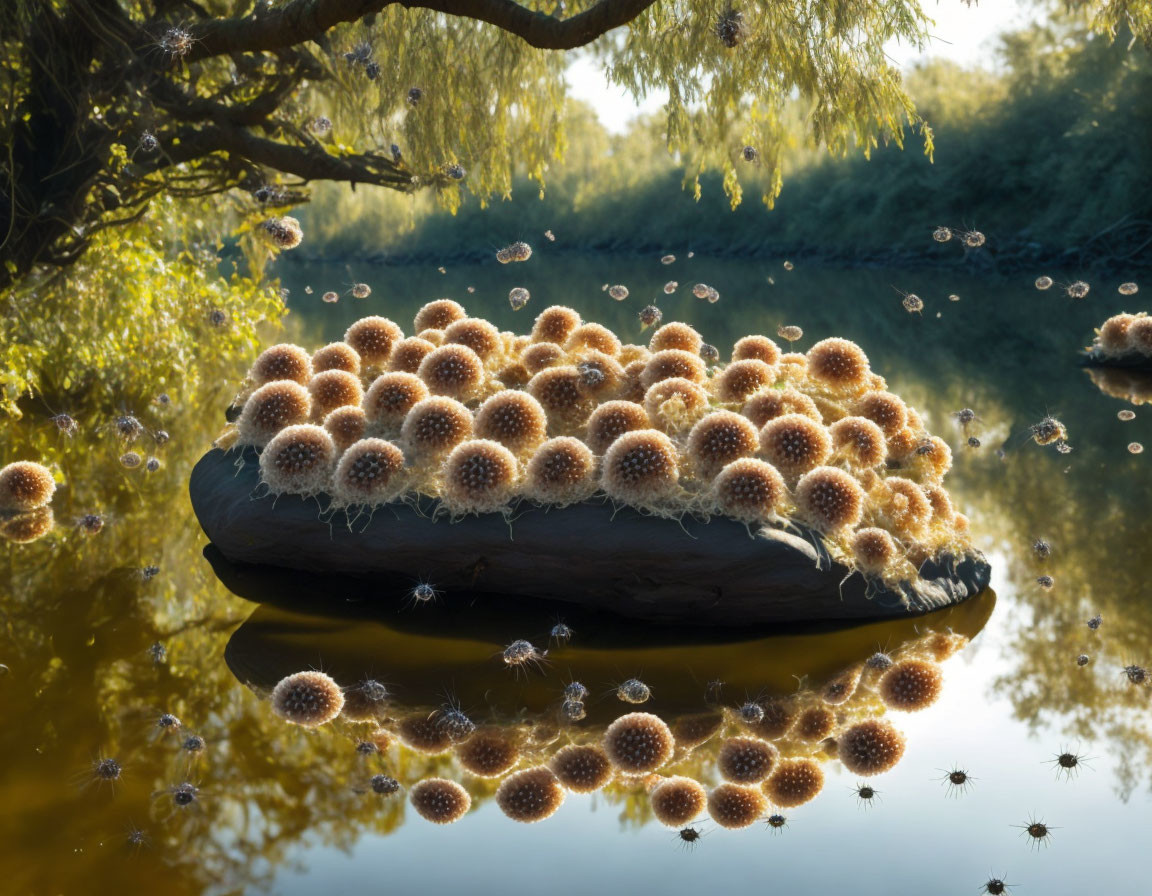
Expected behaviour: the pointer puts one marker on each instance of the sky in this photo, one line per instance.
(965, 34)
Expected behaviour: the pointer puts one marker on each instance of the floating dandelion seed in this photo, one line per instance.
(91, 523)
(1095, 622)
(184, 795)
(330, 297)
(152, 464)
(1042, 549)
(1135, 448)
(788, 265)
(750, 154)
(1038, 832)
(709, 353)
(1044, 283)
(361, 291)
(729, 27)
(953, 297)
(1048, 431)
(879, 661)
(384, 785)
(700, 290)
(866, 794)
(423, 593)
(519, 251)
(372, 70)
(942, 234)
(283, 232)
(148, 142)
(321, 124)
(995, 886)
(1128, 289)
(518, 297)
(650, 316)
(130, 460)
(65, 424)
(912, 303)
(194, 743)
(1077, 290)
(550, 236)
(573, 710)
(176, 42)
(108, 770)
(1068, 764)
(415, 94)
(633, 691)
(667, 259)
(159, 653)
(751, 713)
(1137, 675)
(1045, 582)
(575, 691)
(974, 239)
(619, 292)
(521, 653)
(713, 296)
(1126, 415)
(964, 416)
(670, 287)
(790, 333)
(1083, 660)
(688, 837)
(957, 781)
(562, 634)
(168, 722)
(776, 822)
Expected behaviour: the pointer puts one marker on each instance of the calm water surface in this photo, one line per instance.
(284, 810)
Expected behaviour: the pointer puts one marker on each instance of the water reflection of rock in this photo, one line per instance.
(725, 734)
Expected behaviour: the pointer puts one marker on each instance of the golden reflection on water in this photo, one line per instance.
(83, 678)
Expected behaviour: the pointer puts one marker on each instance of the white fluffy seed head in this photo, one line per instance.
(272, 408)
(479, 476)
(369, 472)
(641, 468)
(298, 460)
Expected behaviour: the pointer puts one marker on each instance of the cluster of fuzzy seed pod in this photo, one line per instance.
(1125, 335)
(483, 419)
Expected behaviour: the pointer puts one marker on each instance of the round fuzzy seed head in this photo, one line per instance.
(439, 800)
(795, 444)
(27, 526)
(541, 355)
(423, 732)
(1140, 334)
(25, 485)
(678, 800)
(692, 730)
(830, 499)
(794, 367)
(479, 477)
(911, 685)
(675, 404)
(282, 362)
(758, 348)
(933, 459)
(593, 336)
(582, 769)
(298, 460)
(369, 473)
(611, 420)
(390, 397)
(336, 356)
(746, 760)
(638, 742)
(718, 439)
(1114, 337)
(602, 374)
(815, 724)
(555, 324)
(452, 370)
(436, 337)
(870, 747)
(530, 795)
(488, 753)
(373, 338)
(408, 354)
(839, 366)
(561, 471)
(346, 425)
(732, 806)
(334, 389)
(768, 404)
(942, 508)
(873, 550)
(308, 699)
(435, 426)
(478, 335)
(859, 441)
(794, 783)
(942, 645)
(673, 363)
(564, 396)
(741, 379)
(641, 468)
(514, 419)
(905, 507)
(438, 315)
(676, 335)
(749, 490)
(884, 409)
(631, 352)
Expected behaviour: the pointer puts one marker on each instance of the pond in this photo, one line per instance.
(106, 631)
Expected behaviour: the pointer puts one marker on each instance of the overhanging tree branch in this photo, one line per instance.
(303, 20)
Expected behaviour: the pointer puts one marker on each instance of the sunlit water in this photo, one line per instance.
(285, 810)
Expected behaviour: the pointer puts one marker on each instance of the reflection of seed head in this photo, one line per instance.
(678, 800)
(530, 795)
(27, 526)
(453, 370)
(746, 760)
(815, 724)
(638, 742)
(718, 439)
(439, 800)
(641, 467)
(734, 807)
(870, 747)
(561, 471)
(298, 460)
(488, 753)
(794, 782)
(582, 769)
(795, 444)
(373, 338)
(479, 477)
(830, 499)
(308, 699)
